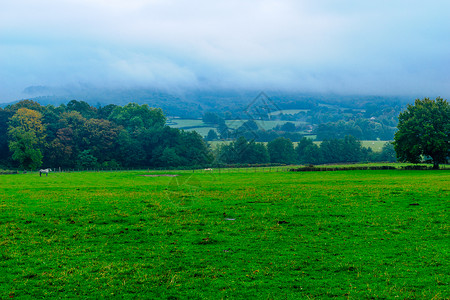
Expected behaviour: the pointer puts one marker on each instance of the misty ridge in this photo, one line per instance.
(226, 114)
(193, 103)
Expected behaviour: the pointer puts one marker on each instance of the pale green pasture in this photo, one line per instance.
(180, 123)
(288, 112)
(263, 124)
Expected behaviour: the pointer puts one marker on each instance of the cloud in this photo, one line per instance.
(382, 47)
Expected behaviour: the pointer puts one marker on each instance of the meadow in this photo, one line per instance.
(203, 128)
(261, 235)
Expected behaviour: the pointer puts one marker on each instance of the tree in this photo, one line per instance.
(332, 151)
(99, 136)
(288, 126)
(243, 152)
(83, 108)
(212, 135)
(388, 153)
(281, 150)
(4, 150)
(351, 149)
(312, 155)
(212, 118)
(134, 117)
(26, 133)
(86, 160)
(308, 152)
(424, 130)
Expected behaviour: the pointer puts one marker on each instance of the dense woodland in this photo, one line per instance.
(78, 135)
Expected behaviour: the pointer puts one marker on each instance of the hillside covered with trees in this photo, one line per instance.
(323, 116)
(78, 135)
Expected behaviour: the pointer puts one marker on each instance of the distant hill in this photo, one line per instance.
(193, 103)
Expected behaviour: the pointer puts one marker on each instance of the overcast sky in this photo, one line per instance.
(340, 46)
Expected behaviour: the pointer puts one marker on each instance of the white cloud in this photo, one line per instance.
(345, 46)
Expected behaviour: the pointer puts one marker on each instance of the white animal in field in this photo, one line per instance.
(208, 170)
(45, 171)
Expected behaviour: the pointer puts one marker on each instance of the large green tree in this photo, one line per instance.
(26, 138)
(424, 131)
(281, 150)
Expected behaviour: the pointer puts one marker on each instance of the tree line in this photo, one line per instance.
(283, 151)
(78, 135)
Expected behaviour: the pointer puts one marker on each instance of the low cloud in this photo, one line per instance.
(381, 47)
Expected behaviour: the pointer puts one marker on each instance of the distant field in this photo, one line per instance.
(180, 123)
(288, 112)
(375, 145)
(266, 125)
(246, 234)
(203, 128)
(203, 131)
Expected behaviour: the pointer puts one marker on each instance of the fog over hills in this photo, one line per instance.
(194, 102)
(96, 50)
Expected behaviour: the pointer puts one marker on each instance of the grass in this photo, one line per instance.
(354, 234)
(203, 128)
(376, 146)
(203, 131)
(181, 123)
(263, 124)
(288, 112)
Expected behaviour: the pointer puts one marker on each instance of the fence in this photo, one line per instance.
(245, 169)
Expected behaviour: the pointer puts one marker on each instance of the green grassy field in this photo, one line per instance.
(263, 124)
(376, 146)
(282, 235)
(198, 123)
(203, 128)
(181, 123)
(288, 112)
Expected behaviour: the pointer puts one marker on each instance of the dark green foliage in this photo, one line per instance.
(388, 153)
(81, 136)
(360, 128)
(288, 126)
(83, 108)
(281, 150)
(341, 150)
(212, 135)
(135, 117)
(212, 118)
(86, 160)
(346, 150)
(308, 152)
(243, 152)
(4, 150)
(424, 130)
